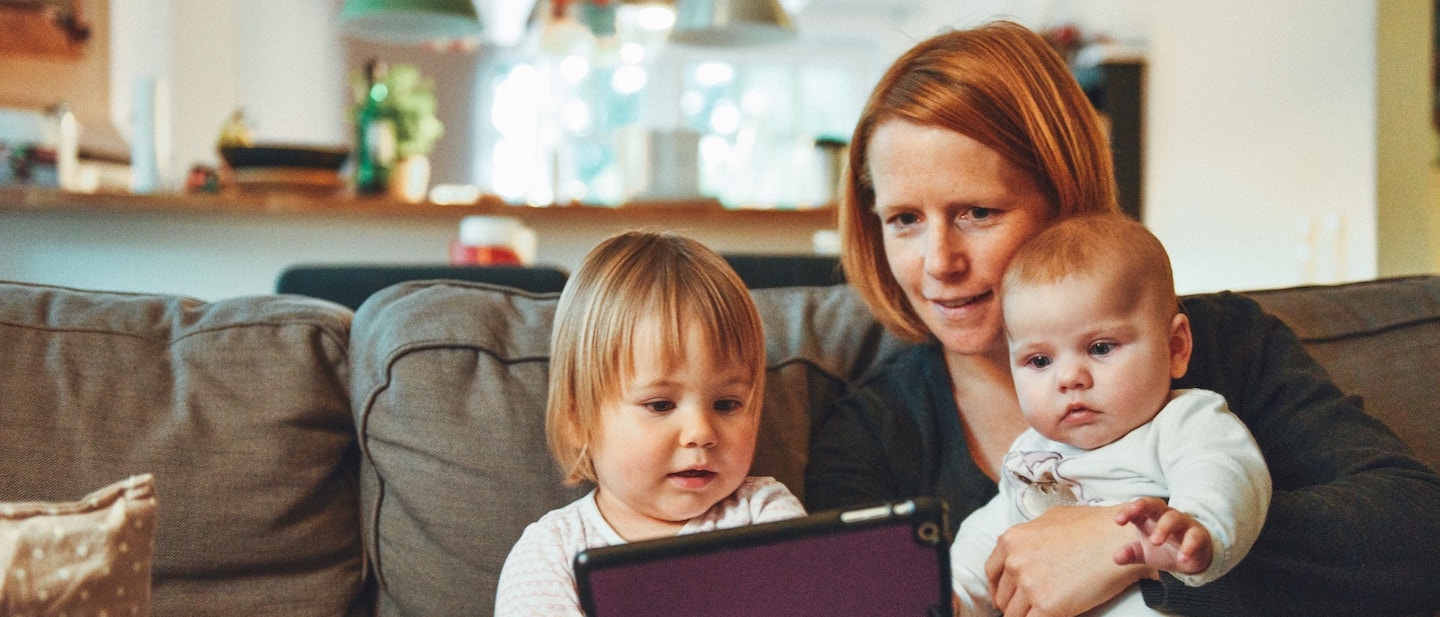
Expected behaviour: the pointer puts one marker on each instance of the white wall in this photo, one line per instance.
(1261, 145)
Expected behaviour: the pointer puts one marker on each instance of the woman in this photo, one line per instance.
(972, 143)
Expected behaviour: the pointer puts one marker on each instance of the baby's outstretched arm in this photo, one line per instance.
(1169, 539)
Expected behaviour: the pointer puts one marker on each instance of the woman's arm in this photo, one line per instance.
(853, 456)
(896, 435)
(1354, 522)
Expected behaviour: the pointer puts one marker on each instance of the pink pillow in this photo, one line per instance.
(89, 557)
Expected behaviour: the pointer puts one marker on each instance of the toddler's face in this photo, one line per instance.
(1090, 366)
(678, 439)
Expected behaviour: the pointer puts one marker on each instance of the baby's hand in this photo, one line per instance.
(1170, 540)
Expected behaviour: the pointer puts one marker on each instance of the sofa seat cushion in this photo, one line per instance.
(240, 410)
(450, 387)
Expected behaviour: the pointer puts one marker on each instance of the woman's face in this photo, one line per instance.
(952, 213)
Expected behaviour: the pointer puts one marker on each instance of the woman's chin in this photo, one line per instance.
(972, 342)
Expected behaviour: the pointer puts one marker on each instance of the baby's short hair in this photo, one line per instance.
(1096, 244)
(636, 279)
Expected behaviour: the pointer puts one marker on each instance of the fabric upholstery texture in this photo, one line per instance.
(239, 408)
(282, 439)
(450, 387)
(86, 557)
(1367, 333)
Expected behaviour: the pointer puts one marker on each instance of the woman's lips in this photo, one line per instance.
(958, 305)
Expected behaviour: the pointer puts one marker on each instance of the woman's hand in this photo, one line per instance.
(1062, 563)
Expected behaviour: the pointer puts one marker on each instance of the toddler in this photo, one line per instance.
(1095, 336)
(656, 375)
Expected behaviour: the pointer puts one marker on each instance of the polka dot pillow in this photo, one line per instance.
(89, 557)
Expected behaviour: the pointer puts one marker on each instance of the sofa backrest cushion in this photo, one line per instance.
(1379, 339)
(239, 408)
(450, 386)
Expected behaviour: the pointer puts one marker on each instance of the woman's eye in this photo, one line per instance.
(902, 219)
(1038, 361)
(981, 214)
(660, 406)
(1102, 348)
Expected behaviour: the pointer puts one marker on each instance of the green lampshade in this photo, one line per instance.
(409, 21)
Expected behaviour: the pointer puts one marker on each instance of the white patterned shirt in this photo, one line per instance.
(539, 577)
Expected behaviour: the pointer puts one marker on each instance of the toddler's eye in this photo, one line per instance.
(1101, 348)
(728, 405)
(1038, 361)
(660, 406)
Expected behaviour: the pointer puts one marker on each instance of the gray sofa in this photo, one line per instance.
(313, 461)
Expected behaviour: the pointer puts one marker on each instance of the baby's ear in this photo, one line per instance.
(1181, 344)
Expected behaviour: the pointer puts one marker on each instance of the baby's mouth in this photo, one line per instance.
(1079, 413)
(694, 473)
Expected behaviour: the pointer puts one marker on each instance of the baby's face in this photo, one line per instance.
(678, 439)
(1090, 366)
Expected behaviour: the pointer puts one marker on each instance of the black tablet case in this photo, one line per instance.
(890, 559)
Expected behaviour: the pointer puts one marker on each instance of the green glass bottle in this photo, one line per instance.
(374, 135)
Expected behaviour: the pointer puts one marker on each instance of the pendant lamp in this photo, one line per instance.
(730, 23)
(409, 21)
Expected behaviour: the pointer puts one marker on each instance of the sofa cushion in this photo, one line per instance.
(240, 410)
(1366, 335)
(450, 386)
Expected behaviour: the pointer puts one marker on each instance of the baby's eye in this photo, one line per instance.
(728, 405)
(1101, 348)
(1038, 361)
(659, 406)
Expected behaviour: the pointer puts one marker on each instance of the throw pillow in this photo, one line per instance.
(88, 557)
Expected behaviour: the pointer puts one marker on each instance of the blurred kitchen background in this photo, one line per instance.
(1284, 142)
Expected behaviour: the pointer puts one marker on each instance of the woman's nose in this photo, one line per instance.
(944, 252)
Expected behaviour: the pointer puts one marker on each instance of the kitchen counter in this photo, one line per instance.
(694, 212)
(211, 246)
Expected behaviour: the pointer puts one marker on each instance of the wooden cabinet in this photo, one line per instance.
(1117, 88)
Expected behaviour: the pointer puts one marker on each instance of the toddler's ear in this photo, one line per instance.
(1181, 344)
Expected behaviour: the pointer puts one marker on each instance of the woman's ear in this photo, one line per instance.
(1181, 344)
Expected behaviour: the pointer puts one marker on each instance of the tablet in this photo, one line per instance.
(888, 559)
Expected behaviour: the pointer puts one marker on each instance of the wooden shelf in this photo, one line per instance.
(293, 204)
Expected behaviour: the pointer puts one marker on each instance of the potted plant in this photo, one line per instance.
(406, 103)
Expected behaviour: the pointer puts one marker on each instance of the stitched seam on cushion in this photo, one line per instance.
(363, 426)
(321, 325)
(1370, 331)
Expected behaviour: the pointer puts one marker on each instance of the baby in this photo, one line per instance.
(1095, 335)
(656, 376)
